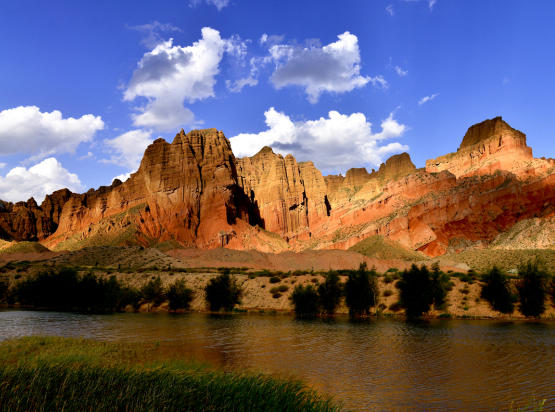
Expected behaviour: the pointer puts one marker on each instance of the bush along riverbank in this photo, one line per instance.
(41, 374)
(417, 291)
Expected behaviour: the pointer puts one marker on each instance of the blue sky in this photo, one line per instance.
(85, 86)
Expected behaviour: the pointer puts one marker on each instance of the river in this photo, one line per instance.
(379, 364)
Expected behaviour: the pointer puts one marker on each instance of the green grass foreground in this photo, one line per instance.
(54, 374)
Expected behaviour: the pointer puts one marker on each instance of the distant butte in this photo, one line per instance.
(194, 193)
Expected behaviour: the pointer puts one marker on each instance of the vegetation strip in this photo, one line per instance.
(39, 374)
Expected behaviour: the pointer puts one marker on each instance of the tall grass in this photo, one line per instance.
(43, 374)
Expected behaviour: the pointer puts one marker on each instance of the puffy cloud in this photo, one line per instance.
(400, 71)
(238, 85)
(3, 165)
(220, 4)
(169, 75)
(425, 99)
(128, 149)
(335, 143)
(151, 30)
(37, 181)
(333, 68)
(389, 9)
(124, 176)
(28, 130)
(89, 155)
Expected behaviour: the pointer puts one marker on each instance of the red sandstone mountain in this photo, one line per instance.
(194, 192)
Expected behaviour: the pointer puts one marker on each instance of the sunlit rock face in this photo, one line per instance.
(195, 193)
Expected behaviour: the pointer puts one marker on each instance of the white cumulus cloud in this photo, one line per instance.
(170, 75)
(89, 155)
(425, 99)
(124, 176)
(332, 68)
(28, 130)
(336, 143)
(238, 85)
(20, 183)
(127, 150)
(400, 71)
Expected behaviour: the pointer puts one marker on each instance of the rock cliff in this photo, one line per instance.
(194, 192)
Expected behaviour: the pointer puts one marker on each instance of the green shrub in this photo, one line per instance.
(330, 292)
(283, 288)
(532, 288)
(315, 280)
(222, 291)
(387, 280)
(465, 290)
(305, 300)
(153, 291)
(18, 276)
(275, 279)
(393, 270)
(361, 290)
(252, 276)
(179, 295)
(417, 290)
(387, 292)
(396, 276)
(497, 290)
(277, 295)
(4, 288)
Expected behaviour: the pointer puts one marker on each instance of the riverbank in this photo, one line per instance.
(51, 373)
(269, 291)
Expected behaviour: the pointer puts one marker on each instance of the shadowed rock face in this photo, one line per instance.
(194, 191)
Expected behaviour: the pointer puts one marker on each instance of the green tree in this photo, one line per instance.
(497, 290)
(361, 290)
(416, 290)
(439, 281)
(153, 291)
(179, 295)
(222, 291)
(4, 287)
(330, 292)
(305, 300)
(532, 287)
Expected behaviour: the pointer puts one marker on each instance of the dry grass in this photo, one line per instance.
(482, 260)
(380, 247)
(25, 247)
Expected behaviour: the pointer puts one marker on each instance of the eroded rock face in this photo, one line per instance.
(185, 191)
(486, 147)
(359, 184)
(27, 221)
(287, 197)
(195, 192)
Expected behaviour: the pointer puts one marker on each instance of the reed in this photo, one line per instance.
(39, 374)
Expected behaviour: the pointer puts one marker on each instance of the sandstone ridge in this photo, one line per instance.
(194, 193)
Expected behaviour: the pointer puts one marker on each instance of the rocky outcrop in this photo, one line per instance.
(27, 221)
(487, 147)
(286, 197)
(186, 191)
(359, 184)
(194, 192)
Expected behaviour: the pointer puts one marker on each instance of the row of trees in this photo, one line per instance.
(421, 288)
(360, 291)
(66, 289)
(530, 291)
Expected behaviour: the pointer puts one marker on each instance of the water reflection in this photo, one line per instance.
(376, 364)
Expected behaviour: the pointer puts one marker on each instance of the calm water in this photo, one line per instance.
(376, 365)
